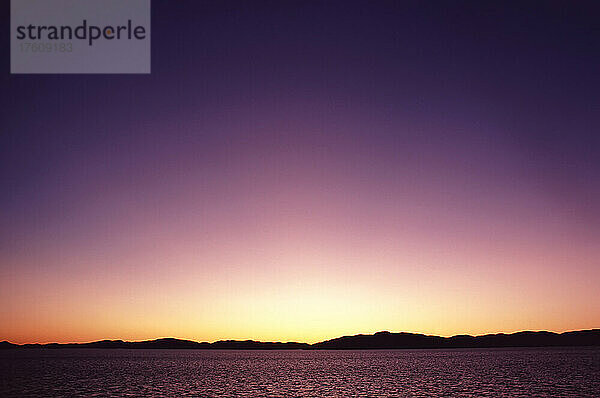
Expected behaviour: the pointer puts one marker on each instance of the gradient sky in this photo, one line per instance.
(305, 170)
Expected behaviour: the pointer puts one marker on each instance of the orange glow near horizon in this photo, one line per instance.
(296, 277)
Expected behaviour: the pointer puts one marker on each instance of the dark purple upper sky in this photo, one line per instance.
(527, 69)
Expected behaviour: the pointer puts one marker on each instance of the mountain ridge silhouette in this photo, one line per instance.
(379, 340)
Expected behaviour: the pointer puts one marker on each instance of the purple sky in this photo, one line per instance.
(406, 166)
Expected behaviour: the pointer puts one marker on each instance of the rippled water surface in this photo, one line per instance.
(404, 373)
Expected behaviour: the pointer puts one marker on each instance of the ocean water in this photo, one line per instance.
(554, 372)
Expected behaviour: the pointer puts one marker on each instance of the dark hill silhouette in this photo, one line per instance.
(379, 340)
(6, 345)
(387, 340)
(168, 343)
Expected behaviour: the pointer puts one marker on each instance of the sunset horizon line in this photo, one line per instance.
(200, 341)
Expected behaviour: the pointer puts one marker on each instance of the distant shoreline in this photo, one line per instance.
(380, 340)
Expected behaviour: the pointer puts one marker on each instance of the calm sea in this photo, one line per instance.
(557, 372)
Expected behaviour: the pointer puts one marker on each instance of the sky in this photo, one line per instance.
(297, 171)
